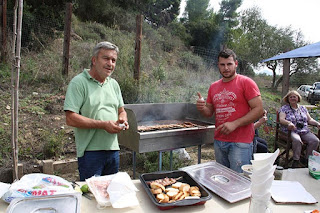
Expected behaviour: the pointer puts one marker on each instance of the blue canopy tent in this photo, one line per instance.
(311, 50)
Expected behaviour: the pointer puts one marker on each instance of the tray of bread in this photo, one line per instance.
(174, 189)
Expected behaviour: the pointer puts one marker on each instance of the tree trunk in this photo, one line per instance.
(274, 79)
(277, 83)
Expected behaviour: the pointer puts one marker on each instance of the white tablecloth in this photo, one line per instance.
(216, 204)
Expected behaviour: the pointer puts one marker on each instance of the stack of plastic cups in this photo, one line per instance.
(261, 181)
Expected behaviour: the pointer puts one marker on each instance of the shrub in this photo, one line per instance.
(149, 162)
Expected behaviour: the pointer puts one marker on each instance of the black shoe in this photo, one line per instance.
(295, 164)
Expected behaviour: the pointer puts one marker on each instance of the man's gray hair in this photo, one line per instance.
(104, 45)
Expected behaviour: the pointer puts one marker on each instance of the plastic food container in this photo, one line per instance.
(247, 170)
(185, 178)
(62, 203)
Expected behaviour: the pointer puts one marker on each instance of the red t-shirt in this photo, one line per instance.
(230, 102)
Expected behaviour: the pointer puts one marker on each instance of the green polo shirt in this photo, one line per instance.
(100, 101)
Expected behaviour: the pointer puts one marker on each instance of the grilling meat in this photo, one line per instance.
(166, 126)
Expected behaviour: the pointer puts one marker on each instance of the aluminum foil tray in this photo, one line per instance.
(186, 178)
(221, 180)
(62, 203)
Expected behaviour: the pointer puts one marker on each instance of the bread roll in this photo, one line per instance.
(156, 191)
(157, 185)
(176, 185)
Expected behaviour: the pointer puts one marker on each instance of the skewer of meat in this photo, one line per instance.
(165, 181)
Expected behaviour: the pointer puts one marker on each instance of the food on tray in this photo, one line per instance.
(194, 191)
(184, 187)
(176, 185)
(162, 198)
(155, 185)
(166, 126)
(172, 194)
(165, 181)
(168, 189)
(156, 191)
(176, 191)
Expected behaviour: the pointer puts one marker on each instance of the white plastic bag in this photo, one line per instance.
(116, 190)
(122, 191)
(98, 185)
(37, 184)
(4, 187)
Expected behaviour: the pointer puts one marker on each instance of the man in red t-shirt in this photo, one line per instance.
(236, 103)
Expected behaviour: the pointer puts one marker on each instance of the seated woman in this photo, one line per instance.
(296, 118)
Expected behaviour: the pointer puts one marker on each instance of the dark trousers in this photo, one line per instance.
(98, 163)
(260, 145)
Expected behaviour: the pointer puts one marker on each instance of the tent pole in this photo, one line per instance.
(286, 76)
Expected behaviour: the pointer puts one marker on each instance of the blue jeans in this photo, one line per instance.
(98, 163)
(233, 155)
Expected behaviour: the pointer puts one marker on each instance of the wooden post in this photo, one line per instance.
(16, 50)
(4, 31)
(286, 76)
(66, 43)
(137, 55)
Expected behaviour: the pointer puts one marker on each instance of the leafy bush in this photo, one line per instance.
(150, 162)
(53, 144)
(191, 61)
(159, 73)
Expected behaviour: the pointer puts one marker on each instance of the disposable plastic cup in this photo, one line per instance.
(260, 176)
(261, 188)
(259, 179)
(263, 159)
(262, 197)
(259, 206)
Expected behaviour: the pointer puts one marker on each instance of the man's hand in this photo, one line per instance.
(226, 128)
(200, 102)
(123, 124)
(204, 108)
(112, 127)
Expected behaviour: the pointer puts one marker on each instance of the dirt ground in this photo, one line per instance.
(207, 154)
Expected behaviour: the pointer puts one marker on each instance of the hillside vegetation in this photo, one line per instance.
(169, 73)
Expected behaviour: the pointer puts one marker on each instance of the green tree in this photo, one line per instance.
(196, 10)
(255, 40)
(200, 23)
(161, 13)
(227, 19)
(40, 21)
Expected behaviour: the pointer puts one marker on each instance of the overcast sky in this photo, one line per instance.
(300, 14)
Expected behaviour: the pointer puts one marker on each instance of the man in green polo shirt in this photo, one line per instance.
(94, 106)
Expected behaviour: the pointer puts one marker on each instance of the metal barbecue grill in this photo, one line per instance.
(200, 132)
